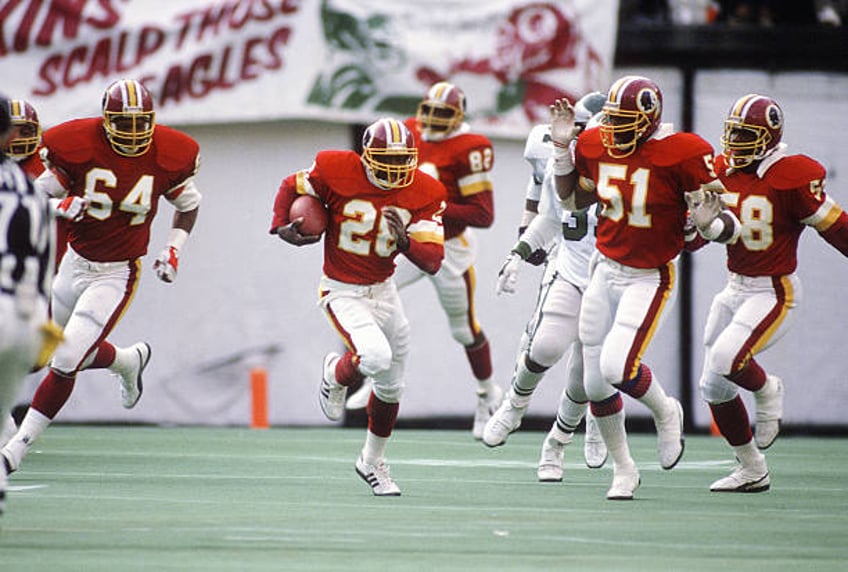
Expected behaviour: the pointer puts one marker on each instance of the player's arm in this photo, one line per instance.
(713, 220)
(185, 197)
(281, 225)
(537, 237)
(54, 183)
(831, 222)
(422, 242)
(566, 179)
(477, 210)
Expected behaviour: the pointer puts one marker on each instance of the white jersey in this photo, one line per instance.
(537, 151)
(575, 232)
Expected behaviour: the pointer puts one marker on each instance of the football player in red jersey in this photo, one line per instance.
(109, 173)
(379, 207)
(462, 161)
(775, 195)
(641, 172)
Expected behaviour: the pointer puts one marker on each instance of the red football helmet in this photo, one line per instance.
(752, 130)
(442, 111)
(389, 154)
(26, 134)
(631, 114)
(128, 117)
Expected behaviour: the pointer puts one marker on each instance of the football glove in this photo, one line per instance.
(71, 208)
(508, 274)
(397, 228)
(167, 263)
(291, 234)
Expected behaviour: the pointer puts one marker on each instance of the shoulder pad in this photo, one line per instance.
(538, 145)
(74, 141)
(589, 144)
(412, 124)
(333, 166)
(676, 148)
(435, 189)
(793, 172)
(470, 140)
(175, 151)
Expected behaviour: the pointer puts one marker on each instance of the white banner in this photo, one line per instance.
(335, 60)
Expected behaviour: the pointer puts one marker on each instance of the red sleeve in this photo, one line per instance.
(426, 255)
(282, 203)
(476, 210)
(696, 243)
(837, 234)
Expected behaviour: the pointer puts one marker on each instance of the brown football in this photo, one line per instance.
(313, 212)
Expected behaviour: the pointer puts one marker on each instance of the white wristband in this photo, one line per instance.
(714, 230)
(563, 164)
(177, 238)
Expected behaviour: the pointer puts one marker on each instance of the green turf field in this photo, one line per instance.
(145, 498)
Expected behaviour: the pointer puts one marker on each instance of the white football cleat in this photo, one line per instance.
(594, 449)
(487, 404)
(625, 481)
(769, 400)
(551, 460)
(378, 478)
(331, 395)
(670, 435)
(752, 479)
(359, 399)
(131, 382)
(504, 421)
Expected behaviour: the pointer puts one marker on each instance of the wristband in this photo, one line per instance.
(522, 249)
(714, 230)
(563, 164)
(177, 238)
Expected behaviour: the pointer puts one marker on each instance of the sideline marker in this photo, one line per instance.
(259, 398)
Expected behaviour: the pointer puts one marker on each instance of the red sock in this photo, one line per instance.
(480, 357)
(381, 416)
(609, 406)
(347, 372)
(731, 418)
(751, 377)
(52, 393)
(638, 386)
(104, 357)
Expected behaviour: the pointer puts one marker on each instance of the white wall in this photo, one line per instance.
(240, 289)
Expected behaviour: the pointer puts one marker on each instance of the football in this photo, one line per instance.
(313, 212)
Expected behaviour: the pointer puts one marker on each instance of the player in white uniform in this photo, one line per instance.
(27, 337)
(553, 328)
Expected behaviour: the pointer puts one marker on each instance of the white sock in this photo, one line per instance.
(570, 412)
(656, 399)
(123, 360)
(374, 450)
(559, 435)
(748, 454)
(525, 380)
(615, 437)
(485, 386)
(31, 428)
